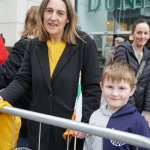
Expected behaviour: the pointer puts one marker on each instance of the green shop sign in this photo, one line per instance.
(132, 5)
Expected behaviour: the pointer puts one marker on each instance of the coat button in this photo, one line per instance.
(50, 96)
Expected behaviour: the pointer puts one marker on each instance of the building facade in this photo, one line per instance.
(12, 15)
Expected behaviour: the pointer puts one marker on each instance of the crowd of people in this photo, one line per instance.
(43, 69)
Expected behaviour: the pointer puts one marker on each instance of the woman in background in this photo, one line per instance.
(134, 53)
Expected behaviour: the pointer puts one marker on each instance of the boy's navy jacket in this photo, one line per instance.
(126, 119)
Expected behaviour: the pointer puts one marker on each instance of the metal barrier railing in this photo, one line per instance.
(129, 138)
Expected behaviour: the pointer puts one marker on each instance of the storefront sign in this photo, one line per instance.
(131, 3)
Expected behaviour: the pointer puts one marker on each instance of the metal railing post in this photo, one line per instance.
(39, 136)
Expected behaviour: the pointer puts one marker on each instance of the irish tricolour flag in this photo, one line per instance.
(78, 104)
(77, 115)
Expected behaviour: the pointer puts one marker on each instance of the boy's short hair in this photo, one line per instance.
(118, 71)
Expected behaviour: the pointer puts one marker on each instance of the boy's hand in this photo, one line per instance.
(147, 118)
(79, 135)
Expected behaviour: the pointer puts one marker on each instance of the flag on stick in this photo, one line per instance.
(77, 115)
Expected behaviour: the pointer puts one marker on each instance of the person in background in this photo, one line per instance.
(10, 67)
(51, 67)
(110, 54)
(117, 86)
(134, 54)
(3, 50)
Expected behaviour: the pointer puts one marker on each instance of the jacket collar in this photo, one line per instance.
(124, 110)
(42, 52)
(128, 46)
(66, 55)
(44, 62)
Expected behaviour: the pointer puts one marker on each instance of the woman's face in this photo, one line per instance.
(141, 34)
(55, 18)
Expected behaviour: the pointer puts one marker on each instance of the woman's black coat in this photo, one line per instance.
(141, 97)
(56, 96)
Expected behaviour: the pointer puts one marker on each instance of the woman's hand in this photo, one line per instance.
(147, 118)
(1, 99)
(79, 135)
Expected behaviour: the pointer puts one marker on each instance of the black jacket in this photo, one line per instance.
(141, 97)
(8, 70)
(56, 96)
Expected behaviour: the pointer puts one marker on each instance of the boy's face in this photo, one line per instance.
(116, 94)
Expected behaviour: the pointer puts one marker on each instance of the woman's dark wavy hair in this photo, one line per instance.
(139, 20)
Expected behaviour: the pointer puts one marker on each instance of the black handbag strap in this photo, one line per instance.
(142, 65)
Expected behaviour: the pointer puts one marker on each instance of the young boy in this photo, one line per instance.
(117, 85)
